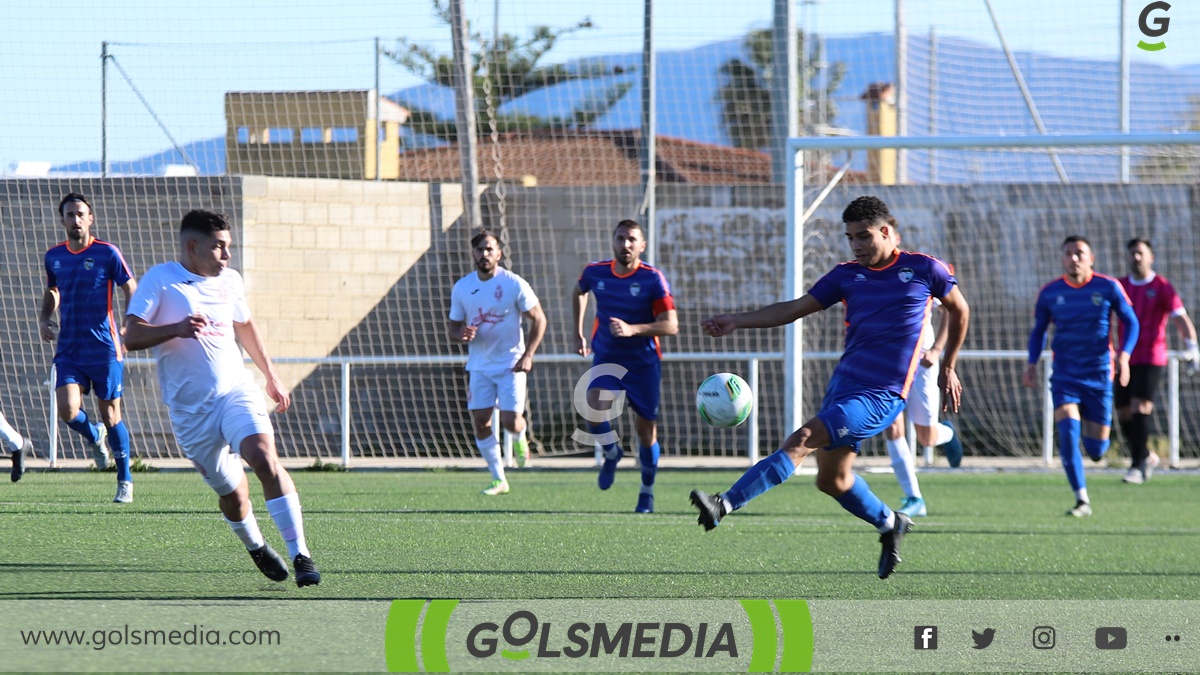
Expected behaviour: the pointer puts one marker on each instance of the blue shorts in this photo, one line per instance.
(853, 413)
(1095, 403)
(640, 384)
(106, 378)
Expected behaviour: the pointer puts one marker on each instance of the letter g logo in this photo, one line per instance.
(1161, 24)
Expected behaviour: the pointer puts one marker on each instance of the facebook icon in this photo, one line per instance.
(925, 637)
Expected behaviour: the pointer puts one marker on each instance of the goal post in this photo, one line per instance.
(998, 219)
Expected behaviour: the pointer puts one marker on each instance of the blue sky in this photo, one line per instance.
(184, 56)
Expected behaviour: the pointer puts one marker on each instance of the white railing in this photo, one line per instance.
(752, 359)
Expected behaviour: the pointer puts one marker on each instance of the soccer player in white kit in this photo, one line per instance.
(485, 313)
(194, 314)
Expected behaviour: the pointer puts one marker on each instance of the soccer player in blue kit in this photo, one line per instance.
(1080, 304)
(634, 307)
(81, 273)
(887, 294)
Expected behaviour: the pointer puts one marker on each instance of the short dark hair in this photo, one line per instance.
(1132, 244)
(73, 197)
(1076, 238)
(204, 222)
(484, 234)
(868, 208)
(628, 224)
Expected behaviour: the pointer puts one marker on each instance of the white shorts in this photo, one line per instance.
(924, 399)
(500, 388)
(210, 439)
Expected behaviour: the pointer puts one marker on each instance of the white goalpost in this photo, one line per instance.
(994, 207)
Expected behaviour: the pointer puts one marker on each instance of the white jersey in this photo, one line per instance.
(192, 373)
(494, 307)
(928, 334)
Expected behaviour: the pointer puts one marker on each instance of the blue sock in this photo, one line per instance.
(603, 429)
(1068, 449)
(118, 442)
(761, 477)
(84, 427)
(649, 459)
(1095, 448)
(863, 503)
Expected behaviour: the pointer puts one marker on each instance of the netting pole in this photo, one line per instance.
(649, 132)
(1123, 84)
(464, 109)
(785, 75)
(103, 113)
(378, 115)
(901, 91)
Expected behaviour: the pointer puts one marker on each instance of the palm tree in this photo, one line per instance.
(745, 96)
(509, 67)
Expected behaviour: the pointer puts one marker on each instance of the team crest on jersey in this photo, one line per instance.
(599, 285)
(89, 264)
(57, 265)
(499, 292)
(1151, 293)
(635, 288)
(860, 277)
(906, 275)
(1097, 299)
(1060, 300)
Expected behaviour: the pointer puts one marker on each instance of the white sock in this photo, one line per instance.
(490, 449)
(944, 434)
(889, 525)
(248, 532)
(928, 454)
(1081, 495)
(285, 511)
(15, 439)
(903, 465)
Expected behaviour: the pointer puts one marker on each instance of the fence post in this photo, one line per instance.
(1047, 414)
(1173, 409)
(346, 414)
(752, 430)
(53, 457)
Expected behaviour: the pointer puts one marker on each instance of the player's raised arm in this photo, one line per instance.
(1124, 312)
(958, 317)
(579, 300)
(778, 314)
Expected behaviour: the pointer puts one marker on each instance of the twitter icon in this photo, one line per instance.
(983, 640)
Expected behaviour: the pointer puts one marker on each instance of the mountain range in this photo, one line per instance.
(973, 92)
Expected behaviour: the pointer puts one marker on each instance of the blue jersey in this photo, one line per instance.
(886, 311)
(1082, 318)
(636, 298)
(85, 280)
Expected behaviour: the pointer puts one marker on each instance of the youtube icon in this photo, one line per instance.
(1111, 638)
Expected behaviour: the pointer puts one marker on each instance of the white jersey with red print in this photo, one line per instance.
(1154, 300)
(494, 307)
(193, 373)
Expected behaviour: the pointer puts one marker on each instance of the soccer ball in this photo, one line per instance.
(724, 400)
